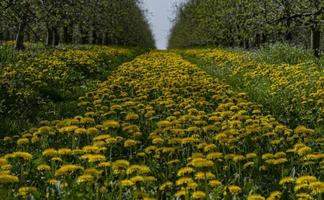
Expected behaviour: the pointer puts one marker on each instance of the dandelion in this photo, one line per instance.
(234, 189)
(111, 124)
(6, 178)
(215, 183)
(286, 180)
(67, 169)
(198, 195)
(130, 143)
(86, 179)
(43, 168)
(255, 197)
(22, 141)
(24, 191)
(126, 183)
(185, 171)
(166, 185)
(50, 152)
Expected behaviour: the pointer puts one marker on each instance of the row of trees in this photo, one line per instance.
(111, 22)
(248, 23)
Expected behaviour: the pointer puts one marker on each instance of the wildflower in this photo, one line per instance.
(180, 193)
(130, 143)
(67, 169)
(303, 130)
(166, 185)
(214, 183)
(19, 154)
(127, 183)
(184, 180)
(22, 141)
(85, 179)
(204, 176)
(255, 197)
(24, 191)
(164, 124)
(110, 124)
(233, 189)
(201, 162)
(198, 195)
(92, 131)
(276, 195)
(286, 180)
(43, 168)
(185, 171)
(214, 155)
(49, 152)
(6, 178)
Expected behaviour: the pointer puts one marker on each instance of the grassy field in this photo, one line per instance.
(161, 127)
(45, 84)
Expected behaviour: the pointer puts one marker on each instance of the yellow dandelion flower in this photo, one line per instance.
(43, 168)
(184, 181)
(275, 195)
(111, 124)
(251, 155)
(180, 193)
(3, 161)
(49, 152)
(166, 185)
(198, 195)
(6, 178)
(234, 189)
(184, 171)
(137, 179)
(139, 169)
(130, 143)
(64, 151)
(24, 191)
(22, 141)
(304, 196)
(286, 180)
(164, 124)
(126, 183)
(317, 187)
(86, 179)
(104, 164)
(306, 179)
(67, 169)
(201, 162)
(19, 154)
(215, 183)
(256, 197)
(204, 176)
(303, 130)
(92, 131)
(214, 155)
(53, 182)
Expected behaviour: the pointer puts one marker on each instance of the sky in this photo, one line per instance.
(160, 13)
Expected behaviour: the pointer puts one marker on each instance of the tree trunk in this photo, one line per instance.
(246, 44)
(56, 39)
(264, 38)
(316, 39)
(258, 40)
(20, 35)
(84, 36)
(94, 37)
(67, 34)
(49, 38)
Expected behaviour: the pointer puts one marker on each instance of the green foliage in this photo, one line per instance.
(245, 23)
(280, 53)
(110, 22)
